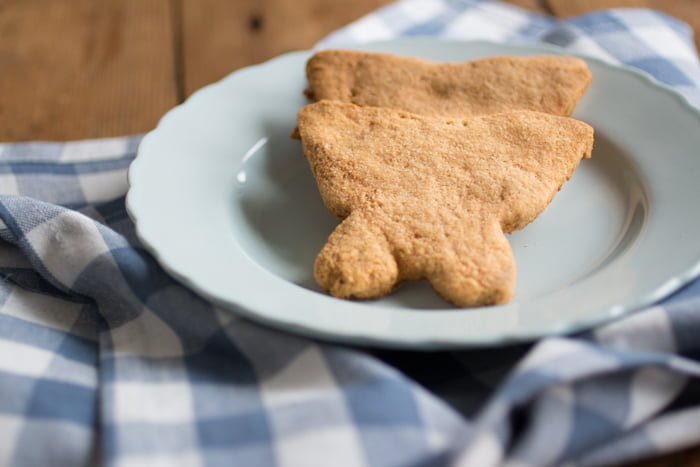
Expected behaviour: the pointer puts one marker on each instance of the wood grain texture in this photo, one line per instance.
(80, 68)
(222, 35)
(686, 10)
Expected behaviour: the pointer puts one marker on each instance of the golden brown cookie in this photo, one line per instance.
(431, 197)
(551, 84)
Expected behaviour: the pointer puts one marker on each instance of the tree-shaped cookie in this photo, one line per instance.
(551, 84)
(431, 197)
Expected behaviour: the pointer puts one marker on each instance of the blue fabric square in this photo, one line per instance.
(383, 403)
(15, 393)
(78, 349)
(60, 189)
(5, 288)
(22, 215)
(403, 447)
(561, 36)
(663, 70)
(599, 23)
(63, 401)
(109, 165)
(236, 430)
(639, 18)
(33, 151)
(29, 280)
(35, 168)
(144, 276)
(45, 337)
(685, 320)
(238, 456)
(523, 385)
(589, 429)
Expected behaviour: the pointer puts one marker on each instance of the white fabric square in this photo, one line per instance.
(506, 16)
(164, 459)
(88, 150)
(665, 43)
(23, 359)
(103, 186)
(418, 10)
(651, 390)
(485, 449)
(60, 242)
(141, 402)
(649, 329)
(439, 421)
(35, 362)
(370, 29)
(304, 379)
(554, 348)
(146, 336)
(315, 448)
(10, 427)
(8, 184)
(674, 431)
(41, 309)
(471, 26)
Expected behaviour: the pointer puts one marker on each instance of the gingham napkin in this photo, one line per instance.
(106, 360)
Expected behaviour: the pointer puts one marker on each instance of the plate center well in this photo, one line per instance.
(280, 221)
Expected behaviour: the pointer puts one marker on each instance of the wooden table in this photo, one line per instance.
(84, 68)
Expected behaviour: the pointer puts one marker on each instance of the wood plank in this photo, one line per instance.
(538, 6)
(220, 36)
(82, 69)
(686, 10)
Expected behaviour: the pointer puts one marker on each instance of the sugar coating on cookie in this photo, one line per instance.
(425, 197)
(551, 84)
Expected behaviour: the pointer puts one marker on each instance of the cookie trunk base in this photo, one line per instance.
(356, 262)
(472, 293)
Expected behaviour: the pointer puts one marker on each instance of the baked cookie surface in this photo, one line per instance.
(424, 197)
(551, 84)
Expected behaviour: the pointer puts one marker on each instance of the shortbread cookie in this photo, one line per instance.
(431, 197)
(551, 84)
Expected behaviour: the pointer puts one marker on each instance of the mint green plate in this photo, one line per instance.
(226, 203)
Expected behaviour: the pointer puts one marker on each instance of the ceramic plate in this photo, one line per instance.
(226, 202)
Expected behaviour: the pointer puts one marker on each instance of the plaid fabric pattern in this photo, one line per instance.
(106, 360)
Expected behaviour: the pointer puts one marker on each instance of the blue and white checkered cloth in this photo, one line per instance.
(106, 360)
